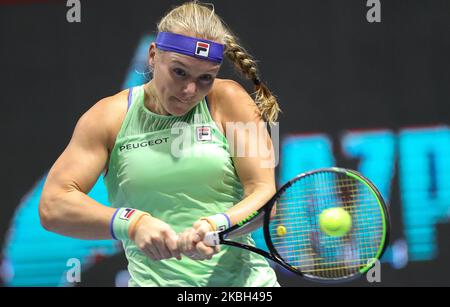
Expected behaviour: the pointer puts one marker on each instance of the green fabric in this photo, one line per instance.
(147, 172)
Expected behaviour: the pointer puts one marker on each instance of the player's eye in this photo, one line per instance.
(179, 72)
(206, 78)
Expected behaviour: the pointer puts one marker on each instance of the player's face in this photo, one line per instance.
(182, 81)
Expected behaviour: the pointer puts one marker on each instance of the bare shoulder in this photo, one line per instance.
(108, 114)
(231, 102)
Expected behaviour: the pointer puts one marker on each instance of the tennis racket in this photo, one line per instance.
(330, 225)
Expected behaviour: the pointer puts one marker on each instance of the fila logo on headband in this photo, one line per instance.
(127, 213)
(202, 49)
(204, 134)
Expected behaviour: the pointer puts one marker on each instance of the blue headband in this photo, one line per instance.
(191, 46)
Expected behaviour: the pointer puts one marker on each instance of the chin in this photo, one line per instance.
(177, 111)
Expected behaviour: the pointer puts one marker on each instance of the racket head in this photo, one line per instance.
(304, 248)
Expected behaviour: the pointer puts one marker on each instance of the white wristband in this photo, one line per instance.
(219, 222)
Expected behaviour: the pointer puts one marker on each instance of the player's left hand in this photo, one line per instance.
(190, 242)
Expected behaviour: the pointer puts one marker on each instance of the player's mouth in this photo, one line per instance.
(182, 101)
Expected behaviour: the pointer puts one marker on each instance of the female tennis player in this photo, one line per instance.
(170, 173)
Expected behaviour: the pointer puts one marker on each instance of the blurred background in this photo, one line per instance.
(374, 97)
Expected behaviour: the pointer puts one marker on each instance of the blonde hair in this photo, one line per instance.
(201, 20)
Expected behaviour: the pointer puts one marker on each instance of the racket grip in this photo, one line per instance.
(212, 238)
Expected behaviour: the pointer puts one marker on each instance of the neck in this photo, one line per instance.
(152, 100)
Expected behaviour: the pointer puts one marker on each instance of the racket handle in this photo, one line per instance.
(212, 238)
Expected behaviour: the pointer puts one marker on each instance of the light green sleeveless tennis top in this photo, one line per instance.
(179, 169)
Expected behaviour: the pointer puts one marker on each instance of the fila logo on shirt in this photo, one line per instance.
(202, 49)
(127, 213)
(204, 134)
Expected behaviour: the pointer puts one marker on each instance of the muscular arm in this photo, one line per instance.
(253, 154)
(64, 207)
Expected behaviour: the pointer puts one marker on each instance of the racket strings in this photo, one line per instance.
(293, 234)
(348, 208)
(325, 190)
(313, 252)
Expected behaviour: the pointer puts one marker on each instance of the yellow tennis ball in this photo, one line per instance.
(281, 231)
(335, 222)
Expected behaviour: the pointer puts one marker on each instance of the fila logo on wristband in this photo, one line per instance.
(202, 49)
(127, 214)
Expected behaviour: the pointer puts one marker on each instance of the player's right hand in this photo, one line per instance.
(156, 239)
(190, 242)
